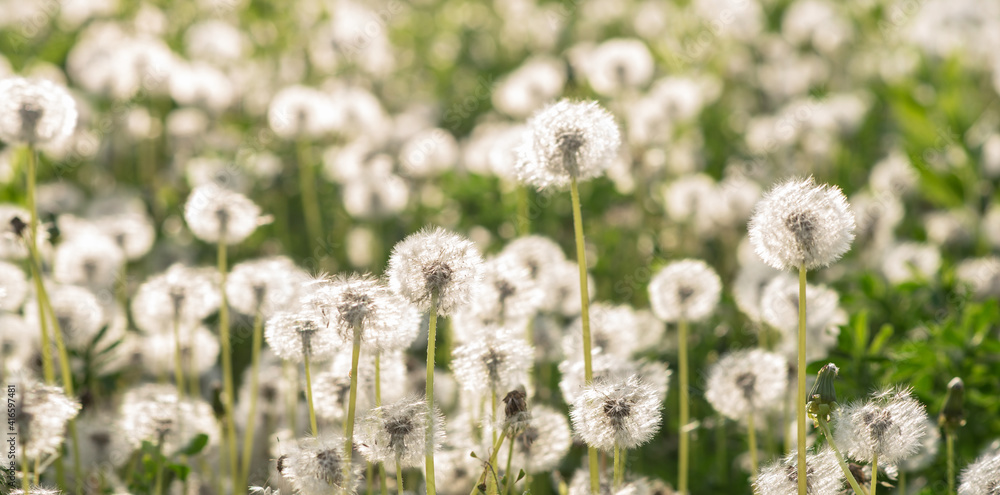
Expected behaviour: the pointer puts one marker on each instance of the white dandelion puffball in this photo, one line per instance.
(567, 140)
(623, 413)
(781, 477)
(316, 467)
(35, 111)
(182, 293)
(215, 214)
(890, 424)
(435, 263)
(746, 381)
(497, 362)
(801, 223)
(267, 285)
(13, 286)
(398, 431)
(686, 289)
(982, 477)
(294, 335)
(348, 302)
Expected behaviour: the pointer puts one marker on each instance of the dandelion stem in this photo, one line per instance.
(227, 361)
(307, 188)
(378, 403)
(825, 428)
(352, 401)
(492, 483)
(949, 441)
(399, 477)
(618, 468)
(25, 476)
(254, 383)
(874, 473)
(48, 370)
(588, 371)
(431, 337)
(510, 476)
(523, 221)
(309, 398)
(682, 358)
(370, 479)
(493, 412)
(178, 366)
(800, 403)
(752, 444)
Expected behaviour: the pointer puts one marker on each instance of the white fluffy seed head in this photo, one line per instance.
(12, 242)
(908, 261)
(293, 335)
(348, 301)
(398, 431)
(77, 310)
(543, 443)
(801, 223)
(90, 259)
(507, 296)
(13, 286)
(746, 381)
(35, 111)
(316, 467)
(613, 331)
(823, 475)
(567, 140)
(215, 214)
(435, 262)
(623, 413)
(890, 424)
(496, 362)
(687, 289)
(188, 294)
(153, 413)
(42, 413)
(780, 309)
(268, 284)
(982, 477)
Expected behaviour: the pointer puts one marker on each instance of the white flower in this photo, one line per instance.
(982, 477)
(801, 223)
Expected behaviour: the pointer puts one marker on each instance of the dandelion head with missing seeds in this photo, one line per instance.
(35, 111)
(801, 223)
(622, 413)
(435, 263)
(215, 214)
(567, 140)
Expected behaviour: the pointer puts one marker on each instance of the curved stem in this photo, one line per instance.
(683, 388)
(825, 428)
(309, 398)
(248, 436)
(588, 371)
(752, 441)
(800, 402)
(431, 339)
(352, 402)
(227, 362)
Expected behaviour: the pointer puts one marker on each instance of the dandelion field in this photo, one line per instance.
(445, 246)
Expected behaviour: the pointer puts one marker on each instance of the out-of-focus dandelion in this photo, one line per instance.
(35, 111)
(798, 224)
(782, 477)
(317, 467)
(982, 476)
(396, 433)
(683, 291)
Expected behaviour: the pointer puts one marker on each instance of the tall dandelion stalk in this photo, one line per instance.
(568, 142)
(951, 418)
(822, 402)
(435, 270)
(799, 224)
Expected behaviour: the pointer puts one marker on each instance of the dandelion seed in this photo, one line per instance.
(397, 431)
(35, 111)
(567, 140)
(823, 475)
(316, 467)
(889, 425)
(435, 263)
(801, 223)
(687, 289)
(617, 413)
(982, 477)
(748, 381)
(216, 214)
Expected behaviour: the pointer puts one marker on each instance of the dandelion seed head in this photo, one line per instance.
(623, 413)
(564, 289)
(506, 296)
(496, 362)
(133, 233)
(747, 381)
(686, 289)
(35, 111)
(154, 413)
(536, 82)
(293, 335)
(780, 309)
(542, 444)
(567, 140)
(580, 485)
(299, 111)
(928, 450)
(199, 351)
(911, 261)
(89, 259)
(798, 222)
(435, 263)
(613, 331)
(183, 293)
(781, 477)
(216, 214)
(269, 285)
(982, 477)
(981, 276)
(399, 431)
(42, 413)
(13, 287)
(316, 466)
(13, 229)
(890, 424)
(386, 320)
(619, 64)
(77, 310)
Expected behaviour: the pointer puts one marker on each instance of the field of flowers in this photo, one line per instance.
(521, 246)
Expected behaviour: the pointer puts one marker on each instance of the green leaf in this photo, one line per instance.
(181, 470)
(880, 339)
(196, 445)
(520, 476)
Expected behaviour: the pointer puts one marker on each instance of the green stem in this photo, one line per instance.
(685, 413)
(310, 200)
(227, 362)
(901, 484)
(825, 428)
(178, 366)
(309, 398)
(493, 413)
(431, 339)
(752, 441)
(248, 436)
(523, 221)
(588, 371)
(617, 479)
(25, 476)
(874, 473)
(800, 403)
(352, 402)
(949, 441)
(510, 476)
(492, 483)
(158, 484)
(399, 477)
(378, 403)
(370, 479)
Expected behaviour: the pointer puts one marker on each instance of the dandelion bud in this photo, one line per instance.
(981, 477)
(435, 263)
(623, 413)
(216, 214)
(35, 111)
(801, 223)
(953, 414)
(890, 424)
(398, 431)
(746, 381)
(13, 229)
(567, 140)
(823, 396)
(515, 410)
(687, 289)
